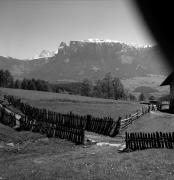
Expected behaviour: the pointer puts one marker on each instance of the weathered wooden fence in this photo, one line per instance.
(126, 122)
(7, 118)
(99, 125)
(106, 125)
(75, 133)
(139, 140)
(130, 118)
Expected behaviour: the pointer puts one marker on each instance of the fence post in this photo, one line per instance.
(82, 135)
(126, 140)
(117, 127)
(88, 123)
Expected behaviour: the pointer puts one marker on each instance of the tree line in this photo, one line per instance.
(7, 81)
(109, 87)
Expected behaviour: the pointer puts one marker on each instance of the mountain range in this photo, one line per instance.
(91, 59)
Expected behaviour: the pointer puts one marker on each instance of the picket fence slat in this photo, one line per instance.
(140, 140)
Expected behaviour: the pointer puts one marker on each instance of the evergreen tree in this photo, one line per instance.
(142, 97)
(31, 85)
(1, 78)
(6, 79)
(98, 89)
(17, 84)
(118, 89)
(86, 87)
(108, 86)
(132, 97)
(24, 84)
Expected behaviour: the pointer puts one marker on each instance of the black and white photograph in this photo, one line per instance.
(86, 90)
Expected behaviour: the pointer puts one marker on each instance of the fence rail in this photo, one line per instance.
(124, 123)
(140, 140)
(129, 120)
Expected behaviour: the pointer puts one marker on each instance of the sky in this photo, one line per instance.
(29, 26)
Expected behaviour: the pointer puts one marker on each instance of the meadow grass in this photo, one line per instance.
(56, 159)
(77, 104)
(35, 157)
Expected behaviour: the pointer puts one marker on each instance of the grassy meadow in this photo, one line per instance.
(36, 157)
(78, 104)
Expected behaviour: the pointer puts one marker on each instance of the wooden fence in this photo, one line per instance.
(7, 118)
(106, 125)
(139, 140)
(51, 129)
(124, 123)
(99, 125)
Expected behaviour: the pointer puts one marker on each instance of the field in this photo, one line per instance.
(38, 158)
(35, 157)
(77, 104)
(155, 121)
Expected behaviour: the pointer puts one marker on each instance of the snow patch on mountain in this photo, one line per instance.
(96, 40)
(100, 41)
(45, 54)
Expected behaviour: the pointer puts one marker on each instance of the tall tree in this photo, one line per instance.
(142, 97)
(86, 87)
(108, 86)
(17, 84)
(1, 78)
(6, 79)
(98, 89)
(132, 97)
(118, 89)
(24, 84)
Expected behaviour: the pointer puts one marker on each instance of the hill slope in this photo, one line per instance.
(85, 59)
(90, 59)
(20, 67)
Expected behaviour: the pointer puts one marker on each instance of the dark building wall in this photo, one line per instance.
(171, 106)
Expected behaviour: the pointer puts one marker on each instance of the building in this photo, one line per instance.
(170, 81)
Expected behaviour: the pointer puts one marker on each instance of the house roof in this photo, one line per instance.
(168, 80)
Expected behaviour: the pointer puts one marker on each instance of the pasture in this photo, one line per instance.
(155, 121)
(82, 105)
(33, 156)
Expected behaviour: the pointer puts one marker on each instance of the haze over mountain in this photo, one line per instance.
(91, 59)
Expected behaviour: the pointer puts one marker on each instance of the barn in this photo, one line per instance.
(170, 81)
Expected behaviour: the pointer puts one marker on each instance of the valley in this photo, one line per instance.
(92, 59)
